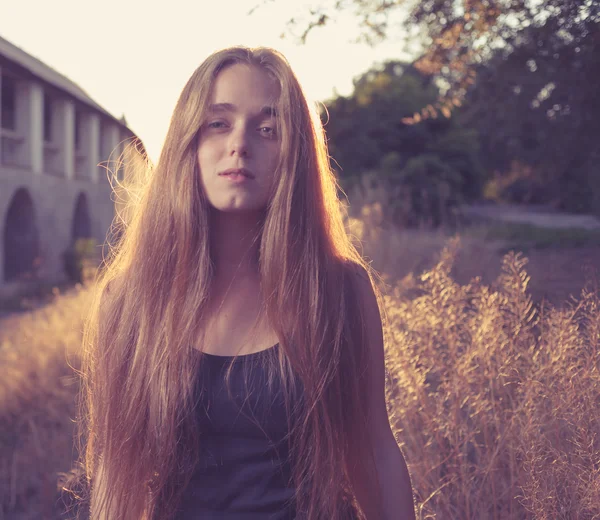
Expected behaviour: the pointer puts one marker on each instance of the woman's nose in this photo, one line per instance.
(239, 142)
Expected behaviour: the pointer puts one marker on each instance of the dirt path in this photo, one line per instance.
(541, 216)
(555, 273)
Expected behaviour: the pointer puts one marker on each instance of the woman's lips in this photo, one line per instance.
(236, 178)
(238, 171)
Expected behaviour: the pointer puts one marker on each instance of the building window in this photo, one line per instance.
(47, 118)
(9, 103)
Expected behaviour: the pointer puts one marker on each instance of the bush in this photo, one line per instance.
(494, 400)
(520, 185)
(431, 190)
(80, 260)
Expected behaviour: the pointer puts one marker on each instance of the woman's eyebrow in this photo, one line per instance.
(230, 107)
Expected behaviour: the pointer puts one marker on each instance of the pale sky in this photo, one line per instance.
(134, 57)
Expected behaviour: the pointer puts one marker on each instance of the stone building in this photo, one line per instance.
(54, 188)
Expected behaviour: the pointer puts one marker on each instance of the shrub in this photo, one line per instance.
(495, 400)
(80, 259)
(431, 190)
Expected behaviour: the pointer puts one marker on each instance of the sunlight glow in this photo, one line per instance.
(135, 61)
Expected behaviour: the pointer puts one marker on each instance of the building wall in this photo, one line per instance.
(54, 203)
(54, 172)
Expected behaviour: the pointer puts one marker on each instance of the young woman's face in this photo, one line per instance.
(239, 132)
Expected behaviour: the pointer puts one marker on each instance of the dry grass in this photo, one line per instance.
(37, 404)
(495, 402)
(559, 268)
(493, 393)
(494, 398)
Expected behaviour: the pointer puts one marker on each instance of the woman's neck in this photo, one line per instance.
(235, 245)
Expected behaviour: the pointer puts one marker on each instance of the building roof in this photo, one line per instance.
(42, 71)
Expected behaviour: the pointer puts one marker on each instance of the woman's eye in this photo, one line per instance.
(267, 130)
(215, 124)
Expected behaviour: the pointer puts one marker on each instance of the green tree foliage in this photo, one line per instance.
(528, 71)
(436, 159)
(460, 35)
(368, 124)
(538, 104)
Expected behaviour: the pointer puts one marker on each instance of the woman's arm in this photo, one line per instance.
(396, 488)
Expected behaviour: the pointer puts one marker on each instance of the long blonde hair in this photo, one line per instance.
(137, 406)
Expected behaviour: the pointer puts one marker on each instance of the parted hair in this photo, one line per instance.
(138, 435)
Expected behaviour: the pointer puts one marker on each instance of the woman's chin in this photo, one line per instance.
(238, 209)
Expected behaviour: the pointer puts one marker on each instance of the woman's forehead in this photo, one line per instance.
(223, 108)
(240, 85)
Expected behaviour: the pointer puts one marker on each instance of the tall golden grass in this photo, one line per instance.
(38, 387)
(494, 399)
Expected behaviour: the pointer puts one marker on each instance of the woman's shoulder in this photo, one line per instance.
(367, 286)
(357, 273)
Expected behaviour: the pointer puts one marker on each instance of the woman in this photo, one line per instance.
(234, 364)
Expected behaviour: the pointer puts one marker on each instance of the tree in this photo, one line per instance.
(436, 160)
(540, 107)
(365, 126)
(528, 70)
(458, 36)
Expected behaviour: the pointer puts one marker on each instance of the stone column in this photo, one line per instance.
(34, 144)
(67, 137)
(114, 149)
(1, 140)
(1, 222)
(93, 147)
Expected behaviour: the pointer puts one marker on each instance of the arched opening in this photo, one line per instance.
(82, 226)
(21, 238)
(81, 231)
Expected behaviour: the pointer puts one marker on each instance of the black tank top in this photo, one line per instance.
(244, 470)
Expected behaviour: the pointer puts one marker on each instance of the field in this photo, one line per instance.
(37, 404)
(493, 387)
